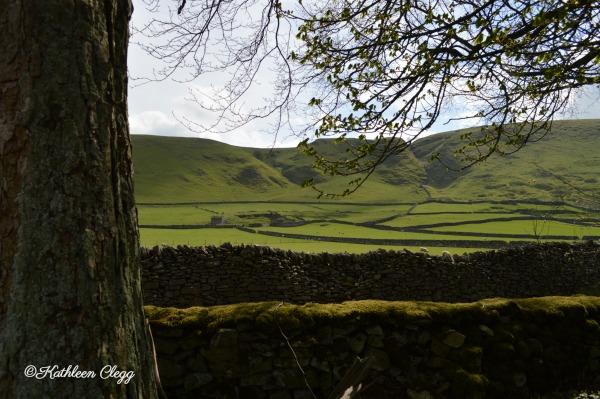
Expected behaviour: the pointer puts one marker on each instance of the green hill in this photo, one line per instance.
(169, 169)
(569, 151)
(177, 169)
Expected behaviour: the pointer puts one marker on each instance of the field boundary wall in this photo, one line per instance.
(208, 276)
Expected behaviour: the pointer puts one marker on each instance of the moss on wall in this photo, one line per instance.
(494, 348)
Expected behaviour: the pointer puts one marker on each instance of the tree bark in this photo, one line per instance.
(70, 290)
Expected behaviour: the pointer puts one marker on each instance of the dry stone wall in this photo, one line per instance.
(208, 276)
(493, 349)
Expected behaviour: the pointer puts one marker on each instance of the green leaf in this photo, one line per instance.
(479, 39)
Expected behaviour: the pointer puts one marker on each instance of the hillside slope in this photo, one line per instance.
(177, 169)
(169, 169)
(397, 179)
(571, 151)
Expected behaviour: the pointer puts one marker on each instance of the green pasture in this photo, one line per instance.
(246, 213)
(539, 227)
(323, 219)
(202, 237)
(173, 215)
(213, 236)
(351, 231)
(488, 207)
(356, 213)
(412, 220)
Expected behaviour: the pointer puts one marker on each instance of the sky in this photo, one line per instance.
(155, 107)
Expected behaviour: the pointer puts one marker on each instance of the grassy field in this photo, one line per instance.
(244, 213)
(212, 236)
(317, 227)
(542, 227)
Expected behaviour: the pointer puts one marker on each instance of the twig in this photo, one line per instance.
(564, 181)
(181, 7)
(292, 349)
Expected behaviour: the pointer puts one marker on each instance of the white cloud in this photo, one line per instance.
(586, 104)
(159, 123)
(245, 138)
(156, 123)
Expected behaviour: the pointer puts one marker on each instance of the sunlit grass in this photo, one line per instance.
(426, 219)
(541, 228)
(320, 225)
(212, 236)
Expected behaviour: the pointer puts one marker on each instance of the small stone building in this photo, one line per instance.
(217, 220)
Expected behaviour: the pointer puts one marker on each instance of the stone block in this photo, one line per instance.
(304, 394)
(171, 382)
(197, 363)
(190, 290)
(167, 347)
(419, 394)
(375, 330)
(486, 330)
(151, 285)
(224, 338)
(519, 379)
(196, 380)
(357, 343)
(293, 378)
(375, 341)
(169, 369)
(259, 379)
(280, 394)
(439, 348)
(191, 342)
(424, 337)
(436, 362)
(454, 339)
(381, 360)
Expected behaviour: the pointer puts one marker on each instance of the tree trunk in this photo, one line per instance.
(70, 292)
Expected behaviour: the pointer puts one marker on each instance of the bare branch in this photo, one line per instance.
(181, 7)
(287, 340)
